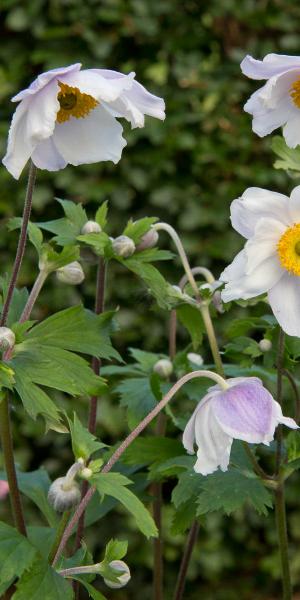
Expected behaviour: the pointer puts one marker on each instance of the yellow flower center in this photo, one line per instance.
(73, 103)
(295, 93)
(288, 249)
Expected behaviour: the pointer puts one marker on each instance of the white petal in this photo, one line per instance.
(92, 82)
(97, 137)
(254, 204)
(188, 438)
(19, 147)
(264, 243)
(265, 118)
(213, 444)
(137, 102)
(294, 208)
(284, 299)
(291, 131)
(236, 269)
(43, 79)
(279, 418)
(272, 64)
(46, 156)
(261, 280)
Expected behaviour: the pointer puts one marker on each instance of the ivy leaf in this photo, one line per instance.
(16, 553)
(42, 581)
(289, 157)
(114, 484)
(136, 229)
(231, 490)
(84, 443)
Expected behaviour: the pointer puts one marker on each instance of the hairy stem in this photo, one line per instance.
(21, 243)
(280, 357)
(59, 533)
(130, 438)
(7, 447)
(283, 543)
(191, 540)
(39, 282)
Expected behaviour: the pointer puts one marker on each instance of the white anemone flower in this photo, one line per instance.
(69, 116)
(244, 411)
(277, 102)
(270, 260)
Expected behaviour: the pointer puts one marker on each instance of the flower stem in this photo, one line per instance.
(21, 243)
(280, 357)
(204, 308)
(294, 387)
(130, 438)
(191, 540)
(59, 533)
(283, 542)
(39, 282)
(7, 447)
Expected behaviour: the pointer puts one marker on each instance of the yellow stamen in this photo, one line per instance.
(288, 249)
(295, 93)
(73, 103)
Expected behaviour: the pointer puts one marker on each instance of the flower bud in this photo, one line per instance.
(91, 227)
(217, 302)
(163, 368)
(86, 473)
(119, 565)
(64, 495)
(7, 338)
(71, 273)
(148, 240)
(195, 358)
(265, 345)
(123, 246)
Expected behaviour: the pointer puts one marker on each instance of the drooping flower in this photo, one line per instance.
(244, 411)
(69, 116)
(277, 102)
(270, 260)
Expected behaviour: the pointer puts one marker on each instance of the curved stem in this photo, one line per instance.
(256, 466)
(294, 387)
(280, 356)
(283, 543)
(39, 282)
(207, 274)
(7, 447)
(130, 438)
(204, 308)
(85, 570)
(21, 243)
(191, 540)
(59, 533)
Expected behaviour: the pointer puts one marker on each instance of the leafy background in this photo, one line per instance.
(186, 171)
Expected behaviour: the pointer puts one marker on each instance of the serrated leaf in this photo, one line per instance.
(153, 279)
(19, 299)
(57, 260)
(84, 443)
(93, 593)
(151, 449)
(183, 517)
(137, 396)
(34, 233)
(101, 215)
(115, 550)
(35, 400)
(7, 378)
(114, 484)
(16, 553)
(187, 489)
(41, 581)
(100, 242)
(136, 229)
(145, 360)
(290, 157)
(230, 491)
(191, 318)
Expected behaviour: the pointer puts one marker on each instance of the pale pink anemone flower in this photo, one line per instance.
(4, 489)
(277, 102)
(70, 116)
(244, 411)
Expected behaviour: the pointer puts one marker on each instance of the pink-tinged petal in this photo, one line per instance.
(279, 418)
(46, 156)
(294, 208)
(245, 412)
(188, 438)
(254, 204)
(284, 300)
(261, 280)
(98, 137)
(291, 131)
(4, 489)
(92, 82)
(213, 443)
(42, 80)
(270, 66)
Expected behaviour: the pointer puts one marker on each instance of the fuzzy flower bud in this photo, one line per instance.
(86, 473)
(123, 246)
(7, 338)
(195, 358)
(163, 368)
(71, 273)
(91, 227)
(265, 345)
(63, 497)
(119, 565)
(149, 240)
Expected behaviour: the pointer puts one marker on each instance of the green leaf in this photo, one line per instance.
(34, 233)
(41, 581)
(114, 484)
(75, 213)
(101, 214)
(115, 550)
(292, 442)
(188, 488)
(19, 299)
(191, 318)
(151, 449)
(183, 517)
(289, 157)
(16, 553)
(158, 286)
(137, 396)
(84, 443)
(93, 593)
(230, 491)
(55, 260)
(7, 379)
(35, 400)
(136, 229)
(145, 360)
(100, 243)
